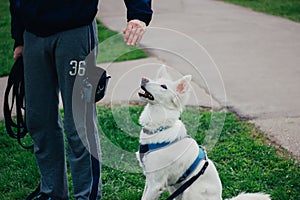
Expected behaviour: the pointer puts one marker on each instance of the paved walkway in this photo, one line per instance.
(245, 61)
(255, 58)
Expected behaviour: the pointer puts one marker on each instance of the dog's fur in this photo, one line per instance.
(163, 167)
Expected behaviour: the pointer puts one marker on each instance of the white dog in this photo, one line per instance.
(168, 156)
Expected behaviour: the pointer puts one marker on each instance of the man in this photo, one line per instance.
(54, 37)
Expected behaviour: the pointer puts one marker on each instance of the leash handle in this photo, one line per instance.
(14, 97)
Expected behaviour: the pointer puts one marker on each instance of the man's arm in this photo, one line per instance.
(139, 9)
(139, 15)
(17, 28)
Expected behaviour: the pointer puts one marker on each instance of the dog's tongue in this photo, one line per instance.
(144, 93)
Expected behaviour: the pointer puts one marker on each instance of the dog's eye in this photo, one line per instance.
(164, 86)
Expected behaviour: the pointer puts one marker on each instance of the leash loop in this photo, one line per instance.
(16, 128)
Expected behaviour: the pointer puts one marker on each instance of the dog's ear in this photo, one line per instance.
(184, 84)
(162, 73)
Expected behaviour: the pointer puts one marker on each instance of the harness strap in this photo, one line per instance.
(187, 184)
(193, 166)
(144, 148)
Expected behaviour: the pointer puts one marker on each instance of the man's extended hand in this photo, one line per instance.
(134, 32)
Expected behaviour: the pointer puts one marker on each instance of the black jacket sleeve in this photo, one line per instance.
(17, 26)
(139, 9)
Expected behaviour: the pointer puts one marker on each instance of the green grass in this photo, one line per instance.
(112, 49)
(244, 161)
(284, 8)
(6, 43)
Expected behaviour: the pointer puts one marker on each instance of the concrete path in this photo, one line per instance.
(248, 61)
(3, 82)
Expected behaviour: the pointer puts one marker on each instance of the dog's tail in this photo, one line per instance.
(251, 196)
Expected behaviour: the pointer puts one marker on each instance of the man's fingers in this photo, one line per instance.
(133, 37)
(140, 36)
(127, 32)
(18, 52)
(15, 57)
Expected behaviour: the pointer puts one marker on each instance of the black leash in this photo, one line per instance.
(14, 100)
(187, 184)
(15, 97)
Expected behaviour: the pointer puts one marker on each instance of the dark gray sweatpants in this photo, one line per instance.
(51, 66)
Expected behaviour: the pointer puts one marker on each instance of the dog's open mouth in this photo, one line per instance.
(145, 94)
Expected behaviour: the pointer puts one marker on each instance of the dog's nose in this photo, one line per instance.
(144, 81)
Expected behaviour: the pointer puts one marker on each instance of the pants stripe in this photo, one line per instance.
(92, 138)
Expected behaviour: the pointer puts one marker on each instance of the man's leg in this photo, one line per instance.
(42, 114)
(72, 48)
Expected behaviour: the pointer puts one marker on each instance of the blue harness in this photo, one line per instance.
(144, 148)
(152, 147)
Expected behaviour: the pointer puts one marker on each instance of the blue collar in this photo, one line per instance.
(159, 129)
(201, 156)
